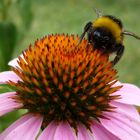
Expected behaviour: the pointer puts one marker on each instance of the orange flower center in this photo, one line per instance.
(63, 81)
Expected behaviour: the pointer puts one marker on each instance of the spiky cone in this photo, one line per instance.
(67, 84)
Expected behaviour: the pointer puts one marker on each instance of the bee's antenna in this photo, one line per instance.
(131, 34)
(98, 12)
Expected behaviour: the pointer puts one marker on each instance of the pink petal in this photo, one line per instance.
(130, 94)
(100, 133)
(8, 75)
(83, 133)
(4, 96)
(26, 128)
(124, 126)
(7, 104)
(126, 108)
(48, 132)
(14, 63)
(64, 132)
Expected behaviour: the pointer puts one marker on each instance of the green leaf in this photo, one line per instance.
(8, 36)
(5, 88)
(24, 8)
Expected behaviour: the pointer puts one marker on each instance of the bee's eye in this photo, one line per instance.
(101, 35)
(106, 38)
(97, 34)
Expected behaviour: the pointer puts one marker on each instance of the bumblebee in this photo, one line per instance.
(106, 33)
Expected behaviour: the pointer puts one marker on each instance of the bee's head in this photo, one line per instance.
(101, 37)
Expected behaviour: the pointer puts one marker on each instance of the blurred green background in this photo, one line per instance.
(23, 21)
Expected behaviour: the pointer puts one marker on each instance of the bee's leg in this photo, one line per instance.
(86, 28)
(119, 54)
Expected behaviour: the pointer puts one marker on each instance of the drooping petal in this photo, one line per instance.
(14, 63)
(26, 128)
(48, 132)
(8, 75)
(64, 132)
(7, 104)
(126, 108)
(83, 133)
(4, 96)
(130, 94)
(124, 126)
(100, 133)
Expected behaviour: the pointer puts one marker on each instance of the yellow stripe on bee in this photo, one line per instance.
(111, 25)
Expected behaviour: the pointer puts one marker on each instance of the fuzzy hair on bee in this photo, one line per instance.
(106, 33)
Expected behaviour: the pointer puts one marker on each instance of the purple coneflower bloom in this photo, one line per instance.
(70, 92)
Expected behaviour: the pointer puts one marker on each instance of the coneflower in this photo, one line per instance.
(70, 92)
